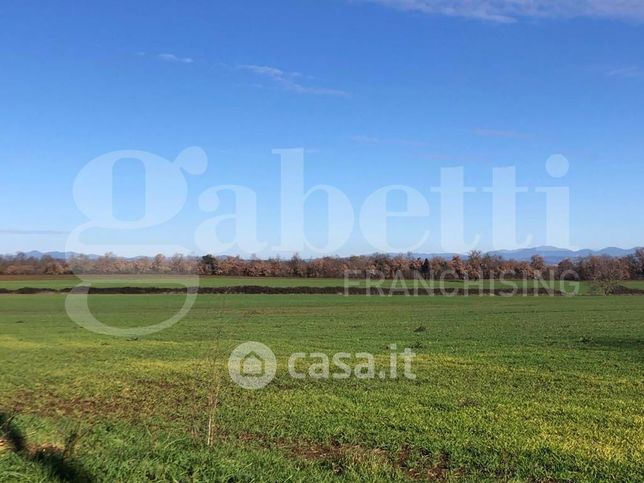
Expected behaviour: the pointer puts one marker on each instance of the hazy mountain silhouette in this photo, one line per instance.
(550, 254)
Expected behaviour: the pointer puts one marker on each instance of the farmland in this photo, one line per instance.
(319, 241)
(69, 281)
(546, 388)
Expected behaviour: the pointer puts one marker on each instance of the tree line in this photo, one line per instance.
(476, 265)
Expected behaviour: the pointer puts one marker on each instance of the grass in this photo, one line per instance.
(69, 281)
(507, 388)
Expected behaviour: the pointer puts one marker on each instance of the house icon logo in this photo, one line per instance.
(252, 365)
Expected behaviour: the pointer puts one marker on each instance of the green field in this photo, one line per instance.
(69, 281)
(527, 389)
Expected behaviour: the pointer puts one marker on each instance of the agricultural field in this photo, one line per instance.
(527, 389)
(59, 282)
(319, 241)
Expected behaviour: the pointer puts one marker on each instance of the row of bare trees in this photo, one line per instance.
(476, 265)
(109, 263)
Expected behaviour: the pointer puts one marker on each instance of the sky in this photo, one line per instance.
(375, 92)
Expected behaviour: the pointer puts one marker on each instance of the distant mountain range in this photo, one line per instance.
(550, 254)
(57, 255)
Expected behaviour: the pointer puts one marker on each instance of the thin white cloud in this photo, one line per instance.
(379, 140)
(507, 11)
(290, 81)
(174, 58)
(33, 232)
(498, 133)
(627, 72)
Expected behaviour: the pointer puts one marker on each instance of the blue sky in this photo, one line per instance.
(378, 93)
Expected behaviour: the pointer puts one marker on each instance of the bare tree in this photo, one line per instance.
(606, 274)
